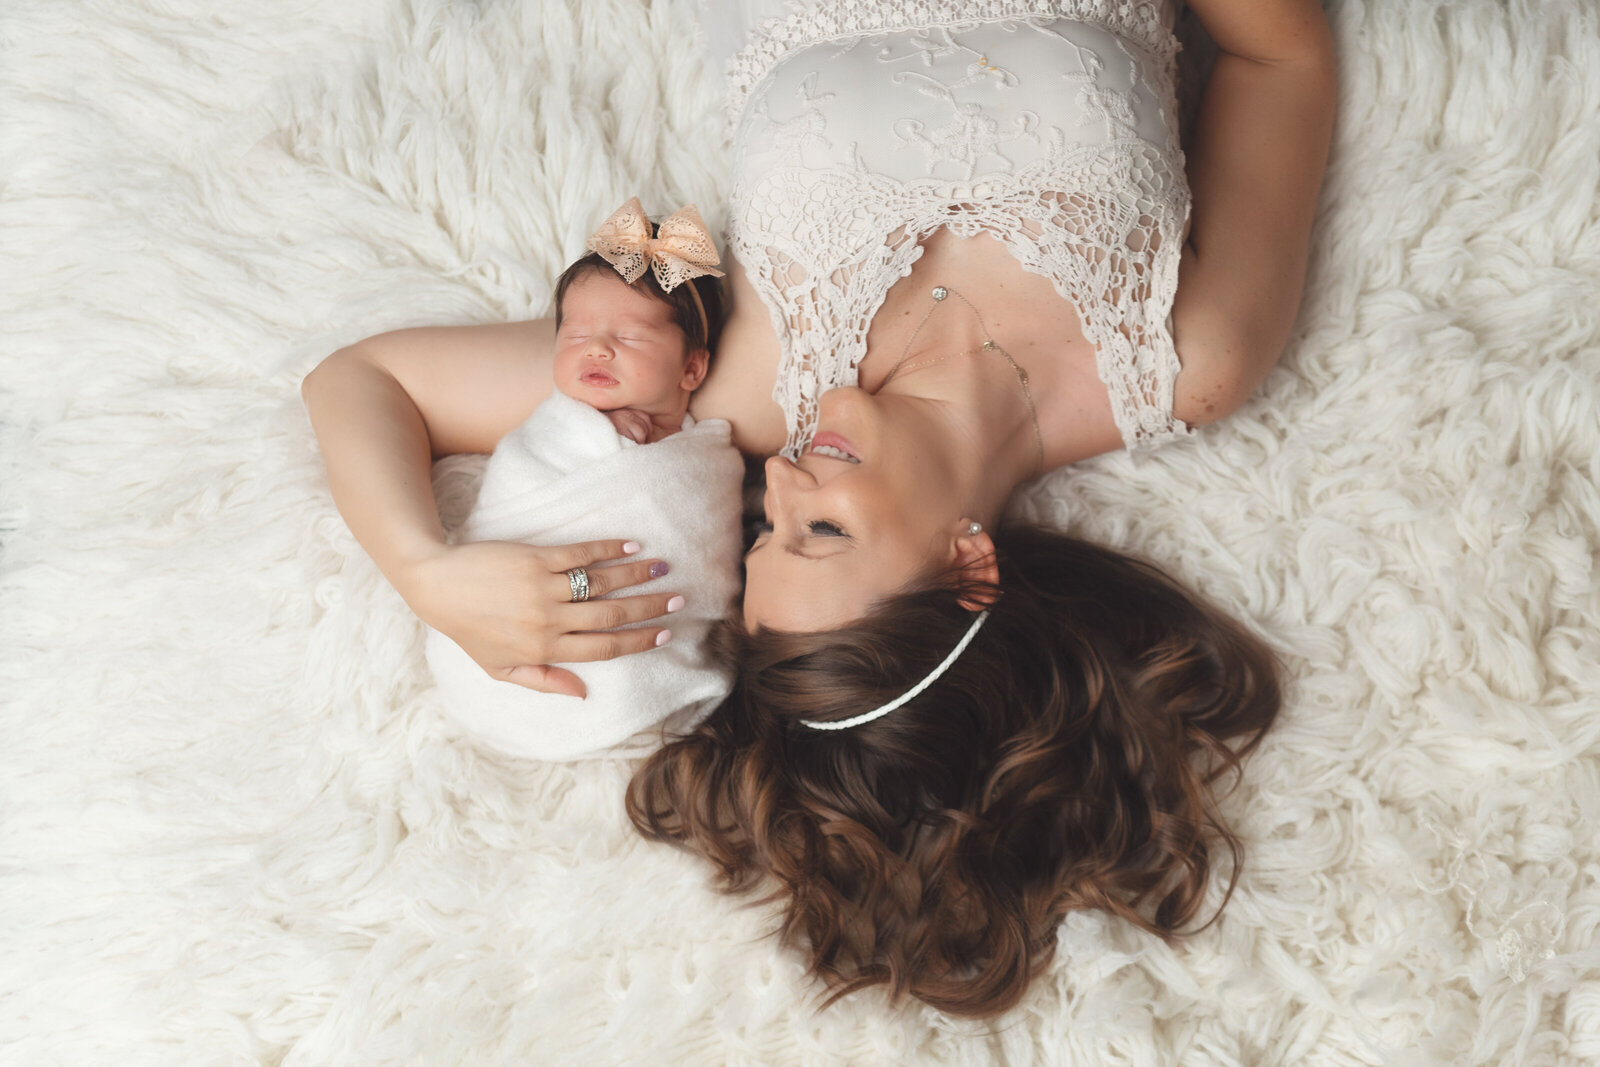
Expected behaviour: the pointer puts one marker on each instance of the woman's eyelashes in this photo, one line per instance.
(816, 527)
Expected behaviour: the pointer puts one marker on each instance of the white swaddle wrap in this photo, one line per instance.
(565, 476)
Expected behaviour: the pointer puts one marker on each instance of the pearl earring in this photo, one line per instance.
(974, 529)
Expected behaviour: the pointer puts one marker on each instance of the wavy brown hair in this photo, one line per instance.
(1066, 760)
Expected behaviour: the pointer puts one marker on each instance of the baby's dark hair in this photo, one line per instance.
(685, 312)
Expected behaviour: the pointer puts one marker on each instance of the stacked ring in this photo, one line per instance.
(578, 578)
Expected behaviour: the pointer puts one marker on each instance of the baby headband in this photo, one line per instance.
(679, 250)
(910, 694)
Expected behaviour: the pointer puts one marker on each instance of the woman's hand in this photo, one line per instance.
(509, 606)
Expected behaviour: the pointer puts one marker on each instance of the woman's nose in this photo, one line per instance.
(783, 479)
(785, 472)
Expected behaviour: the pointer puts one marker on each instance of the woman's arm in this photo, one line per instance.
(1260, 148)
(382, 410)
(385, 408)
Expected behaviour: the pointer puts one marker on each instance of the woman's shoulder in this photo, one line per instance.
(739, 386)
(755, 422)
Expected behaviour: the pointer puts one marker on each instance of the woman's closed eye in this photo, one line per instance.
(819, 527)
(815, 528)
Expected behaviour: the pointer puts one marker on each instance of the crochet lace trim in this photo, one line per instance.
(1114, 257)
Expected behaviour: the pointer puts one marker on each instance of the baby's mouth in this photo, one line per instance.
(597, 377)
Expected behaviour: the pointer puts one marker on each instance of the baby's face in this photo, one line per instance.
(620, 348)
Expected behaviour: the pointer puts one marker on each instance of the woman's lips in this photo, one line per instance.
(830, 445)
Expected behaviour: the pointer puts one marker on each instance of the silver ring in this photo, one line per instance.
(578, 578)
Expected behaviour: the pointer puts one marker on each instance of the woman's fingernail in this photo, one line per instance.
(658, 569)
(663, 637)
(630, 547)
(675, 604)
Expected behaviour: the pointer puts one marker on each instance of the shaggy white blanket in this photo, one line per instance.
(234, 827)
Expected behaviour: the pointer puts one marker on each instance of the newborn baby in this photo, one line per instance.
(614, 453)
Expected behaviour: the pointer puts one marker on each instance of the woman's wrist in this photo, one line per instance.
(413, 572)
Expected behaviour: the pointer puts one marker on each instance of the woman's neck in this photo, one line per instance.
(1022, 312)
(983, 419)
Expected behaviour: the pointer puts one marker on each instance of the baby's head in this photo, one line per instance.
(621, 345)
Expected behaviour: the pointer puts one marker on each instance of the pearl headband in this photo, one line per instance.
(910, 694)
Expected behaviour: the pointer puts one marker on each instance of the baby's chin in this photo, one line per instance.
(609, 398)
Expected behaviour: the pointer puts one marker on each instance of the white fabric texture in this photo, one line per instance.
(236, 827)
(873, 125)
(566, 476)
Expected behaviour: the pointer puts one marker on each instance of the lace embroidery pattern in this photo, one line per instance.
(825, 226)
(1086, 243)
(1148, 22)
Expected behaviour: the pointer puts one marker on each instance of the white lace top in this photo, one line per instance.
(860, 127)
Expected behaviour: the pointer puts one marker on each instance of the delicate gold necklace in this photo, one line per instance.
(939, 293)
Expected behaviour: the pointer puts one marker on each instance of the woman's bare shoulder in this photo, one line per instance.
(739, 390)
(739, 385)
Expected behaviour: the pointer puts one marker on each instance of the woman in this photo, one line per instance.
(944, 734)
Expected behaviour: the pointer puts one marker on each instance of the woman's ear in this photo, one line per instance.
(974, 559)
(694, 369)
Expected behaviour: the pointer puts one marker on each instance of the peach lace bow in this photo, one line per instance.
(681, 250)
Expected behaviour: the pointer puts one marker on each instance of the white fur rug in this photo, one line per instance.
(234, 829)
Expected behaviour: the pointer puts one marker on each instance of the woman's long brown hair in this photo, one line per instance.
(1064, 761)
